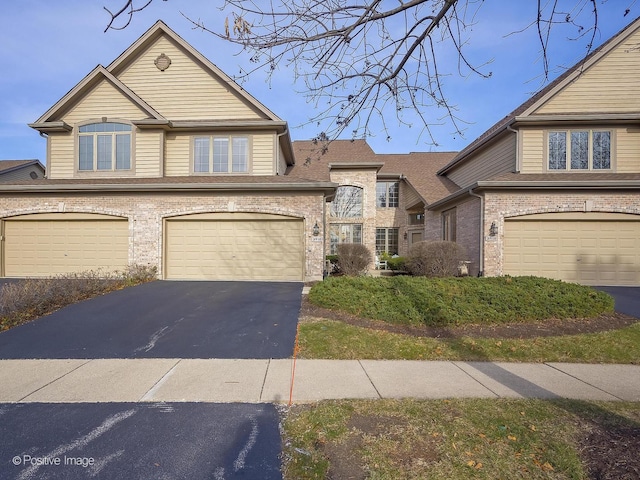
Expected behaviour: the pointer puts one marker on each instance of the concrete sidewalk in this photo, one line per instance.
(266, 381)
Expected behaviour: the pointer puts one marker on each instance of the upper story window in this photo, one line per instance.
(387, 194)
(416, 219)
(104, 146)
(347, 202)
(220, 154)
(580, 150)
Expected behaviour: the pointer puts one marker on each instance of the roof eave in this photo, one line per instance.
(51, 127)
(328, 188)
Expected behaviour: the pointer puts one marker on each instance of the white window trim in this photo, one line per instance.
(229, 158)
(568, 132)
(113, 171)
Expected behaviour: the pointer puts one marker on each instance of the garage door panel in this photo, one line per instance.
(39, 248)
(252, 249)
(592, 252)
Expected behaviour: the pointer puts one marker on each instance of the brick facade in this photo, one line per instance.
(146, 214)
(500, 206)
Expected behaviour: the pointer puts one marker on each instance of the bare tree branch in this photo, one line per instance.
(361, 61)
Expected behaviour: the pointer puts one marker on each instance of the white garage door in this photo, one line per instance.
(234, 247)
(43, 245)
(592, 249)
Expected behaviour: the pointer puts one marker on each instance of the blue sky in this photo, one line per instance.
(47, 47)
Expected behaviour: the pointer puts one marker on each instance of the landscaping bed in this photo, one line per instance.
(446, 302)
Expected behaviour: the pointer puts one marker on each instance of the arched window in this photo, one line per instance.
(347, 202)
(104, 146)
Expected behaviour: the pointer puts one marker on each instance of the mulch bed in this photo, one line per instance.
(550, 328)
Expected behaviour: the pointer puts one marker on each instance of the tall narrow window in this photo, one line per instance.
(386, 241)
(387, 194)
(449, 225)
(104, 146)
(557, 150)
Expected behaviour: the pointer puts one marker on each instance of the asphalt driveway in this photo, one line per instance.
(165, 319)
(142, 441)
(627, 299)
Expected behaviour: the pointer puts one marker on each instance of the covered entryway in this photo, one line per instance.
(587, 248)
(42, 245)
(234, 246)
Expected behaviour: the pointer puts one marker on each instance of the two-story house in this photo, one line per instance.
(553, 189)
(161, 159)
(381, 198)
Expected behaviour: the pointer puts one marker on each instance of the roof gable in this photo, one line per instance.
(99, 77)
(544, 96)
(190, 77)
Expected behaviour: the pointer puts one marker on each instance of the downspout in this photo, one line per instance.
(46, 166)
(481, 266)
(325, 271)
(286, 130)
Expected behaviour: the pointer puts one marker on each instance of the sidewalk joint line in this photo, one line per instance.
(159, 383)
(264, 380)
(456, 362)
(60, 377)
(582, 381)
(370, 381)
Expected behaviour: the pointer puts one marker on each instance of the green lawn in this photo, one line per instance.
(457, 439)
(338, 340)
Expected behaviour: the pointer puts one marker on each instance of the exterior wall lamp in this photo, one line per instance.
(405, 235)
(493, 229)
(316, 230)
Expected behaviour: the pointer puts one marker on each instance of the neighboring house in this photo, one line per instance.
(381, 199)
(161, 159)
(18, 170)
(553, 189)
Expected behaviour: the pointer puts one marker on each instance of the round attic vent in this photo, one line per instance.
(33, 175)
(162, 62)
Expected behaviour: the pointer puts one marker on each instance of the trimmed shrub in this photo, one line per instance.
(396, 263)
(353, 258)
(434, 259)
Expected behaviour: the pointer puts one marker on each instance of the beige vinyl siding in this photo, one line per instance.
(178, 154)
(61, 161)
(148, 153)
(184, 91)
(628, 150)
(263, 150)
(625, 149)
(611, 85)
(104, 101)
(499, 157)
(533, 151)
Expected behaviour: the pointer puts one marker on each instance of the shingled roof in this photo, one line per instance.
(504, 123)
(418, 168)
(7, 165)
